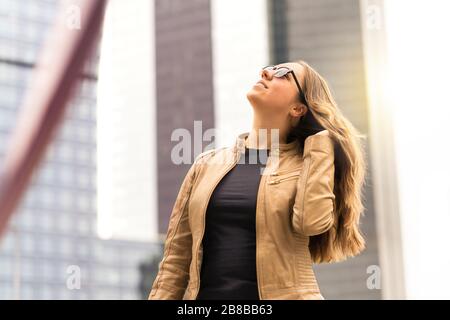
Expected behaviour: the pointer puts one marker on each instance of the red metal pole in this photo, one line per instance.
(54, 79)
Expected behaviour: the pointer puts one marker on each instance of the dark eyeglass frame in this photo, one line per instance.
(281, 72)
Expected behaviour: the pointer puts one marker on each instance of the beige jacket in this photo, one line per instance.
(295, 200)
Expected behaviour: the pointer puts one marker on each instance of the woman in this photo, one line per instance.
(249, 220)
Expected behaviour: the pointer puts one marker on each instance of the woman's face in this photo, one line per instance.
(277, 96)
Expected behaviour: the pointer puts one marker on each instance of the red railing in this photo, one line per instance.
(54, 80)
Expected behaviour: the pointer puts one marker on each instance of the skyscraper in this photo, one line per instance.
(51, 249)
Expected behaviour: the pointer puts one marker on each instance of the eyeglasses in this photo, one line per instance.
(284, 71)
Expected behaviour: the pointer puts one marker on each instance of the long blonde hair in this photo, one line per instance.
(345, 238)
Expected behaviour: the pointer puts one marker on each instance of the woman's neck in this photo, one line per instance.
(261, 138)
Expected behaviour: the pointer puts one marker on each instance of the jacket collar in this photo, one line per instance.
(281, 148)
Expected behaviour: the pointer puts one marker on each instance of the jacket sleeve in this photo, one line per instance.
(314, 205)
(173, 274)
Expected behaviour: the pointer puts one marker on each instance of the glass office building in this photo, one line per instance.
(51, 249)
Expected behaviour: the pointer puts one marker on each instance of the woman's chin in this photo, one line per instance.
(253, 94)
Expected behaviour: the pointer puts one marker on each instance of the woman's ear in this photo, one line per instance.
(297, 110)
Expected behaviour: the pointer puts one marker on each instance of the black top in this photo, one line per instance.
(228, 268)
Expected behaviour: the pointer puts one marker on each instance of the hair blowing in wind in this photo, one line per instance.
(344, 239)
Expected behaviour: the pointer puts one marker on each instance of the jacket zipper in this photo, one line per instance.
(204, 213)
(290, 176)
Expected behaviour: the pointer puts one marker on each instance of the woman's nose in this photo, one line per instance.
(265, 74)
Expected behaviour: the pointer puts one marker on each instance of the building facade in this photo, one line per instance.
(52, 249)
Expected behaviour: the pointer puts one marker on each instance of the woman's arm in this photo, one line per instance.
(173, 275)
(314, 206)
